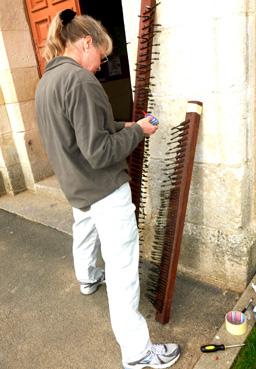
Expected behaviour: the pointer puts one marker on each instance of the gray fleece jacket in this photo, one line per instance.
(86, 147)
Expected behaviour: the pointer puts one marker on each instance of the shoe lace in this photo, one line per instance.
(158, 348)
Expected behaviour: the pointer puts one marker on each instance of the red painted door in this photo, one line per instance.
(40, 13)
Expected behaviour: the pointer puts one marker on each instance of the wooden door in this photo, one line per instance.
(40, 14)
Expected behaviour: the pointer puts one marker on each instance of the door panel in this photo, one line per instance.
(40, 14)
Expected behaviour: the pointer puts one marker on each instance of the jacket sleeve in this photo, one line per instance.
(119, 125)
(90, 114)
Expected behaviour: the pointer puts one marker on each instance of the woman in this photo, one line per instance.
(88, 150)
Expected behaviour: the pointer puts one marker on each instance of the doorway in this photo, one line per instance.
(114, 75)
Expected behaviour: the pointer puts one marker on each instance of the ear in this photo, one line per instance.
(87, 41)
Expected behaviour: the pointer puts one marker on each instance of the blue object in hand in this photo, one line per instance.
(154, 121)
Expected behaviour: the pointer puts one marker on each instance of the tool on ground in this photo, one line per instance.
(247, 306)
(236, 322)
(213, 347)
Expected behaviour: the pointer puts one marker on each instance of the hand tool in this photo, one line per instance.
(213, 347)
(246, 307)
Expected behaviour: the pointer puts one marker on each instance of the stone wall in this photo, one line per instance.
(22, 159)
(207, 53)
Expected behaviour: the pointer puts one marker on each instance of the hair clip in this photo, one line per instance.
(66, 16)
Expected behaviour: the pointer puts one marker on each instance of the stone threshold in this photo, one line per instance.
(45, 205)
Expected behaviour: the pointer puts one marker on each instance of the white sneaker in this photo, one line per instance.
(158, 357)
(89, 288)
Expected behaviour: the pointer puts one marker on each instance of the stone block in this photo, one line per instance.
(223, 129)
(2, 186)
(8, 149)
(173, 13)
(2, 163)
(18, 85)
(6, 179)
(3, 54)
(32, 156)
(251, 7)
(14, 156)
(7, 85)
(42, 170)
(224, 9)
(22, 115)
(12, 15)
(2, 102)
(19, 49)
(229, 61)
(4, 119)
(25, 81)
(16, 178)
(197, 69)
(217, 257)
(11, 175)
(216, 197)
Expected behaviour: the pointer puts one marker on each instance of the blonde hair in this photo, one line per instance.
(80, 26)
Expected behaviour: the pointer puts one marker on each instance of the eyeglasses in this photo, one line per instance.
(104, 60)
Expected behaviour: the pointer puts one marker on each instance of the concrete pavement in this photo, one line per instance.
(47, 324)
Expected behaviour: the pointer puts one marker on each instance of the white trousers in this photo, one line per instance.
(110, 224)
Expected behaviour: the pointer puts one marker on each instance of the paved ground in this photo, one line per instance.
(47, 324)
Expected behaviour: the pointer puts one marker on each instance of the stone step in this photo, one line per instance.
(51, 188)
(40, 207)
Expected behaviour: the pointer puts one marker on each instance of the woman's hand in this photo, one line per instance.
(148, 128)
